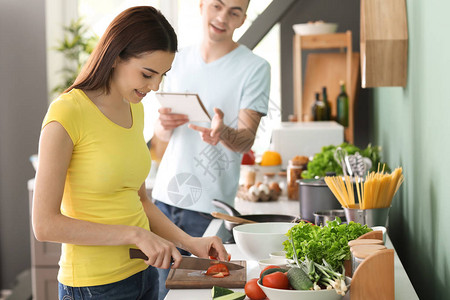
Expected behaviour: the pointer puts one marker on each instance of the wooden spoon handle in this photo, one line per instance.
(234, 219)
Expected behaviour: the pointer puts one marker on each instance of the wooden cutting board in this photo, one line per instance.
(194, 279)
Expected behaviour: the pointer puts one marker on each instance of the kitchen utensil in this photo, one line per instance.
(234, 219)
(357, 165)
(323, 294)
(256, 218)
(257, 240)
(339, 156)
(190, 262)
(315, 196)
(322, 217)
(189, 279)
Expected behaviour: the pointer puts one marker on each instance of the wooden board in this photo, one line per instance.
(194, 279)
(327, 69)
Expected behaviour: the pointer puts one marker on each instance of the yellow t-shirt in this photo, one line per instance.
(108, 166)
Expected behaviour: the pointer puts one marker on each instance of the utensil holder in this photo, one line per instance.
(370, 217)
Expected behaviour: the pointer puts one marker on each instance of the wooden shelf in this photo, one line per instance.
(325, 69)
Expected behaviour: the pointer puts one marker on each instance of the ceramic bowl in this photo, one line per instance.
(279, 262)
(278, 294)
(257, 240)
(314, 28)
(277, 254)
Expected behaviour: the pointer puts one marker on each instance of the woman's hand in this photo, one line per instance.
(170, 121)
(208, 246)
(212, 135)
(160, 252)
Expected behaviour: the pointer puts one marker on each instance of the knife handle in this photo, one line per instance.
(137, 253)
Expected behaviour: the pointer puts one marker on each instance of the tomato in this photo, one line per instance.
(267, 268)
(215, 258)
(277, 280)
(253, 291)
(217, 268)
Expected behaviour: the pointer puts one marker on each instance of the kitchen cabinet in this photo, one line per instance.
(325, 69)
(384, 43)
(44, 262)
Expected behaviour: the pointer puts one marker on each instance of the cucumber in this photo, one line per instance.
(218, 291)
(298, 279)
(273, 270)
(233, 296)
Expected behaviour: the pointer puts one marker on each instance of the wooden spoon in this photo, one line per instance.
(234, 219)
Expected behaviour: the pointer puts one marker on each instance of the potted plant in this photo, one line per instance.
(76, 47)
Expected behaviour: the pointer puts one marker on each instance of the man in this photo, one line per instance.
(202, 160)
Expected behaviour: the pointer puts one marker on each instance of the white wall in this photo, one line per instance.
(23, 103)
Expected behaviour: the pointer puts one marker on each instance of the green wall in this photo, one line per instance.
(412, 124)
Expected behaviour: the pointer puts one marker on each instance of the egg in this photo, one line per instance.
(253, 190)
(264, 188)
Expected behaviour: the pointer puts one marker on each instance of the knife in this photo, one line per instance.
(190, 262)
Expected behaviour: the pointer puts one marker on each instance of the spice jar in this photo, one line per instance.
(360, 252)
(294, 173)
(283, 182)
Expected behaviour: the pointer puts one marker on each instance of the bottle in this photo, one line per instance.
(318, 109)
(326, 104)
(342, 106)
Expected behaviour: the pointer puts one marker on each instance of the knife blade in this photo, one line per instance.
(190, 262)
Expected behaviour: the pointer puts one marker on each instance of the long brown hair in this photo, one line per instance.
(137, 30)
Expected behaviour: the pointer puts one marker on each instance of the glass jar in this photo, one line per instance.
(282, 181)
(360, 252)
(294, 173)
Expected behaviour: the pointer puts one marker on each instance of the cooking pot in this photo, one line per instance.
(257, 218)
(315, 195)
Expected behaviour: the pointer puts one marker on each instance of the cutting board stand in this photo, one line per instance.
(374, 277)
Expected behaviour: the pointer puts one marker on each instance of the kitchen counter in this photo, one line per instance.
(403, 287)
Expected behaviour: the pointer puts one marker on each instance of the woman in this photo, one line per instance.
(89, 191)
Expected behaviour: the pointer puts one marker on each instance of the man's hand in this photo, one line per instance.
(212, 135)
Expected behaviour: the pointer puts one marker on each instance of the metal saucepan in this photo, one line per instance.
(257, 218)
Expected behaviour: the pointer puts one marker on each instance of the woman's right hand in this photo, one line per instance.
(160, 252)
(170, 121)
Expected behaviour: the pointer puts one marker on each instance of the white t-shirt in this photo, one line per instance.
(193, 172)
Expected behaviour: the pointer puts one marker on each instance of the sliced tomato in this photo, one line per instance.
(217, 268)
(277, 280)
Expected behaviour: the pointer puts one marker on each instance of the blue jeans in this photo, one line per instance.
(142, 286)
(192, 222)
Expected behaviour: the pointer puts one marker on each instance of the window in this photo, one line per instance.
(184, 15)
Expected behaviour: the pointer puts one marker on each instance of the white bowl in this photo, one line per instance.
(257, 240)
(279, 294)
(278, 254)
(314, 28)
(279, 262)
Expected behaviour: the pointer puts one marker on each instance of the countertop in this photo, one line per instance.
(403, 287)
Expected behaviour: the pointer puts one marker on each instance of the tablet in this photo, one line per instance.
(188, 104)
